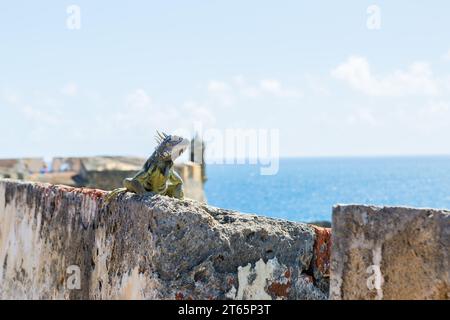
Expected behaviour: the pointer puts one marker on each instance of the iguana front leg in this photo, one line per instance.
(129, 184)
(133, 185)
(175, 186)
(114, 193)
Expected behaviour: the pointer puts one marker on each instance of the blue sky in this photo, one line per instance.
(312, 69)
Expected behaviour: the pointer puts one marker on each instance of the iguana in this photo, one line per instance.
(157, 176)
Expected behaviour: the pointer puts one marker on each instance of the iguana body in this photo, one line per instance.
(157, 176)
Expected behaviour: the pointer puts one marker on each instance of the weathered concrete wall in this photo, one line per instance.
(390, 253)
(150, 248)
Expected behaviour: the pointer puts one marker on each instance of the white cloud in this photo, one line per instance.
(40, 117)
(274, 87)
(433, 117)
(239, 87)
(41, 111)
(217, 86)
(446, 56)
(196, 112)
(70, 89)
(11, 98)
(221, 92)
(436, 108)
(362, 116)
(418, 79)
(244, 89)
(140, 114)
(317, 85)
(138, 100)
(136, 112)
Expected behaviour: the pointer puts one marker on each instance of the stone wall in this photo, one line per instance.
(390, 253)
(60, 242)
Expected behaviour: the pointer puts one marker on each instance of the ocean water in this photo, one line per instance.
(305, 189)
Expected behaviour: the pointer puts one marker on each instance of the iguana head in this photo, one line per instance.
(170, 146)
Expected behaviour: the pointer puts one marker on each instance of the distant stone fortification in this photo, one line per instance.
(104, 173)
